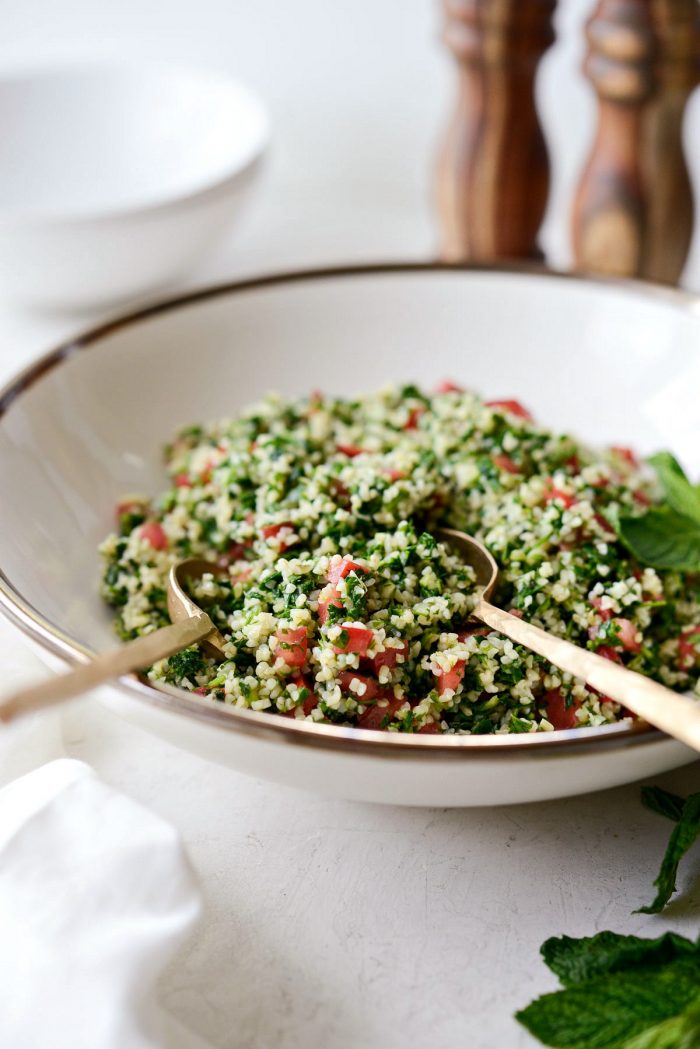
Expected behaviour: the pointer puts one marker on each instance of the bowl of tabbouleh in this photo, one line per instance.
(522, 408)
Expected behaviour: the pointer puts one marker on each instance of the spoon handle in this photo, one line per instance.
(670, 711)
(134, 655)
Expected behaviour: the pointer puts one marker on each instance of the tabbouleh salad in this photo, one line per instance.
(338, 604)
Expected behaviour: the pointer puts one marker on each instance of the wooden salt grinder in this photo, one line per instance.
(493, 169)
(633, 212)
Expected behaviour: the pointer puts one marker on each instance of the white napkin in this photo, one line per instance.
(96, 895)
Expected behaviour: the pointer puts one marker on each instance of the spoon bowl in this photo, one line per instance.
(670, 711)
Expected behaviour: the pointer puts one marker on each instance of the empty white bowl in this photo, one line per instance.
(115, 178)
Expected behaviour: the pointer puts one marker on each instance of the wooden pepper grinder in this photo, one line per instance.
(493, 169)
(633, 211)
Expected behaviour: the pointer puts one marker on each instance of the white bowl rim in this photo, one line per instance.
(39, 217)
(252, 723)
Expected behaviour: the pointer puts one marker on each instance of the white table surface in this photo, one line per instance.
(331, 924)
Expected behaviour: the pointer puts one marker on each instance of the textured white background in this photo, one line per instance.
(329, 924)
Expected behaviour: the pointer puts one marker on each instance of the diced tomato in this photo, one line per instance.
(514, 407)
(448, 387)
(431, 728)
(311, 701)
(374, 716)
(641, 497)
(351, 450)
(558, 714)
(504, 462)
(182, 481)
(359, 638)
(627, 454)
(130, 506)
(342, 568)
(271, 531)
(551, 492)
(604, 613)
(205, 476)
(389, 657)
(450, 679)
(372, 689)
(573, 463)
(293, 645)
(396, 475)
(627, 634)
(688, 652)
(152, 532)
(609, 653)
(413, 417)
(201, 691)
(328, 596)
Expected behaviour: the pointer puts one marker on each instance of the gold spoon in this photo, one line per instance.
(189, 625)
(670, 711)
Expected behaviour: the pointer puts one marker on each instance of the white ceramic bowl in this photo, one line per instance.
(115, 178)
(612, 362)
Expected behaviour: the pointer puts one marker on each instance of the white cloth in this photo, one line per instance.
(96, 895)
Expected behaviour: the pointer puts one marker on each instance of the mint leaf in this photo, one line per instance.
(607, 1013)
(662, 538)
(682, 838)
(682, 1032)
(681, 495)
(663, 802)
(577, 960)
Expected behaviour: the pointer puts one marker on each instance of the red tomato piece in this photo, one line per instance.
(604, 613)
(450, 679)
(558, 713)
(311, 701)
(328, 596)
(152, 532)
(446, 386)
(130, 506)
(396, 475)
(431, 728)
(642, 498)
(359, 639)
(293, 645)
(351, 450)
(688, 652)
(413, 417)
(627, 634)
(373, 717)
(342, 568)
(201, 691)
(389, 657)
(372, 689)
(272, 531)
(551, 492)
(514, 407)
(627, 454)
(182, 481)
(609, 653)
(504, 462)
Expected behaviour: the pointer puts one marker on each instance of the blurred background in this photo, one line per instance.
(359, 96)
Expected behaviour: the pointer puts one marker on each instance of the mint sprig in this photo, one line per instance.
(627, 992)
(666, 536)
(684, 835)
(634, 1006)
